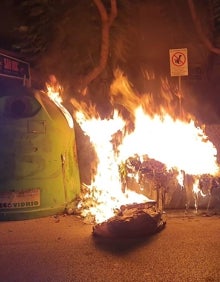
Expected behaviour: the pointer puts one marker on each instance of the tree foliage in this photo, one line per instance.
(65, 37)
(36, 25)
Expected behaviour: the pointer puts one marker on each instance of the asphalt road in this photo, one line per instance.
(63, 249)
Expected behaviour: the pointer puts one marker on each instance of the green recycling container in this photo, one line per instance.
(39, 174)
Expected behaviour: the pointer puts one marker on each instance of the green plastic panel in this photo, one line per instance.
(39, 172)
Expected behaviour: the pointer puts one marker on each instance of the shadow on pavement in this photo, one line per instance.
(122, 245)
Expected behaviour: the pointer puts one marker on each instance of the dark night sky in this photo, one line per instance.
(8, 21)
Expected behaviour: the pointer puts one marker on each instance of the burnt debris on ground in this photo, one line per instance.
(137, 220)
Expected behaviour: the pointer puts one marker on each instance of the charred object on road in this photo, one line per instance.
(132, 221)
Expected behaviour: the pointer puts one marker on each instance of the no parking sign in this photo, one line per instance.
(178, 62)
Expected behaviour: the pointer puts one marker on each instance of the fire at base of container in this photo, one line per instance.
(132, 221)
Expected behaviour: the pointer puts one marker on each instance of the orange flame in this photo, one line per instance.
(106, 187)
(177, 143)
(54, 90)
(173, 142)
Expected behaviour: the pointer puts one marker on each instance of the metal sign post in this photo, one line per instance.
(179, 67)
(180, 94)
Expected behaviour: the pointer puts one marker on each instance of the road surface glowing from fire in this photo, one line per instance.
(176, 143)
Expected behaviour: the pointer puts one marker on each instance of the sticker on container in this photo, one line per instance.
(20, 199)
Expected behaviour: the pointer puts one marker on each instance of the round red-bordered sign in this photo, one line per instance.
(178, 59)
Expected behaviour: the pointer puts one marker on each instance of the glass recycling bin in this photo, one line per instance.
(39, 174)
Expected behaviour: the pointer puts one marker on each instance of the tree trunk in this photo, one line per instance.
(107, 21)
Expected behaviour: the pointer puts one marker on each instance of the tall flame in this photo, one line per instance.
(106, 187)
(173, 142)
(177, 143)
(53, 91)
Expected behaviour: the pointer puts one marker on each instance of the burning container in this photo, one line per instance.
(39, 173)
